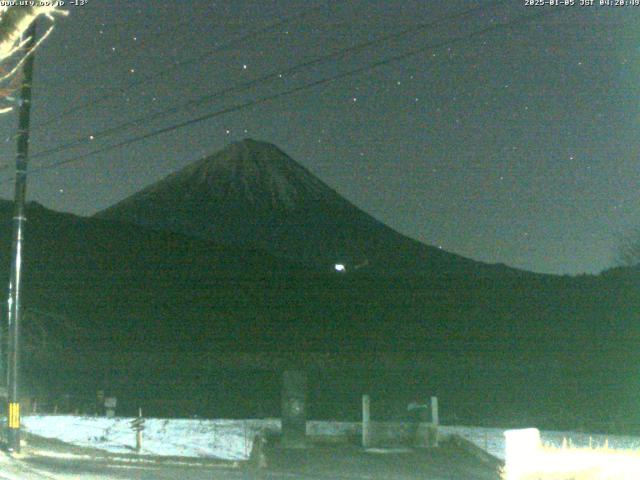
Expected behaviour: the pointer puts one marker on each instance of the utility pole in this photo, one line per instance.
(19, 218)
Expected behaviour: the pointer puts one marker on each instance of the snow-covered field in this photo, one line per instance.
(226, 439)
(493, 441)
(233, 439)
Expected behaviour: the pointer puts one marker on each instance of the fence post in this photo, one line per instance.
(434, 411)
(366, 421)
(139, 434)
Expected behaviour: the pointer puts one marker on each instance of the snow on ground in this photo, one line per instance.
(233, 439)
(493, 441)
(225, 439)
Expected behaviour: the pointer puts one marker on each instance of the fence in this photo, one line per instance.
(418, 432)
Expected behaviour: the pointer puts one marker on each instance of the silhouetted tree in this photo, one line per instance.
(14, 22)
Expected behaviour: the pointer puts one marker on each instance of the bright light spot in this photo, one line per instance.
(244, 67)
(340, 267)
(91, 137)
(520, 446)
(527, 457)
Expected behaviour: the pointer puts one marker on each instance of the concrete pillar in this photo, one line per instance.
(366, 421)
(294, 411)
(434, 411)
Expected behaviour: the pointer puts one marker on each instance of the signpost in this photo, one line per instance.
(137, 425)
(110, 404)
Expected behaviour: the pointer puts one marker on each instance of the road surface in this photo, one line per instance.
(332, 462)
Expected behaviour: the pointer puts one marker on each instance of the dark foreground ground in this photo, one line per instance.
(451, 461)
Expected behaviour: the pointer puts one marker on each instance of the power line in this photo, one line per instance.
(171, 33)
(265, 99)
(145, 79)
(264, 78)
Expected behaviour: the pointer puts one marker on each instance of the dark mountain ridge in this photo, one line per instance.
(252, 193)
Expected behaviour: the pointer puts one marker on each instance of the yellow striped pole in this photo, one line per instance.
(14, 415)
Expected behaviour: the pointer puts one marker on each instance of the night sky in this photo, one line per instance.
(519, 145)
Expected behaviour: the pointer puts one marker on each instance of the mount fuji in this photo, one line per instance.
(253, 194)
